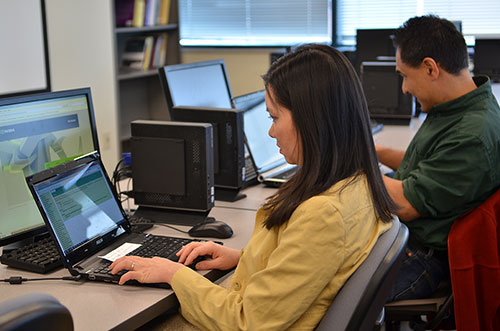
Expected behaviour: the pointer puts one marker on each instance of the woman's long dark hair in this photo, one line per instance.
(321, 89)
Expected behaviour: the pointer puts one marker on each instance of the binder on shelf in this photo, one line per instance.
(164, 12)
(148, 49)
(139, 13)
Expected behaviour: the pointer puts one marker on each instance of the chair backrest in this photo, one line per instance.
(474, 257)
(35, 311)
(362, 298)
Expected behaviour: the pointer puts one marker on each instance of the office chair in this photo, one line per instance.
(474, 292)
(35, 311)
(361, 300)
(474, 256)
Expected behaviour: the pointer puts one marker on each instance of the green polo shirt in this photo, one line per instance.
(452, 163)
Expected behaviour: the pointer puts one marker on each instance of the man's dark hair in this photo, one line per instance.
(322, 90)
(434, 37)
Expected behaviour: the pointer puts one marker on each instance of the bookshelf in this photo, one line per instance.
(139, 94)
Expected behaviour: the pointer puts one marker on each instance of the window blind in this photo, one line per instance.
(254, 22)
(479, 17)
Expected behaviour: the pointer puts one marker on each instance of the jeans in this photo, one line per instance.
(421, 272)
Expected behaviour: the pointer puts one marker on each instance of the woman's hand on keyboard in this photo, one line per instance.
(222, 258)
(145, 270)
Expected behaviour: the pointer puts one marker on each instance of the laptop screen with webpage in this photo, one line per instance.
(80, 207)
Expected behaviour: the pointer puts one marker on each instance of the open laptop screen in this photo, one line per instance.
(265, 152)
(80, 206)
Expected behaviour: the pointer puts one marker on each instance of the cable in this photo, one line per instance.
(18, 279)
(166, 225)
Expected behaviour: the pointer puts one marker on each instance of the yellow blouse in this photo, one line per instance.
(287, 277)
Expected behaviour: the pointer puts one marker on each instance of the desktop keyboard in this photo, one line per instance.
(40, 257)
(140, 224)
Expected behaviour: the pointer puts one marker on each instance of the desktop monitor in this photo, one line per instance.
(486, 55)
(229, 152)
(37, 132)
(373, 45)
(199, 84)
(383, 93)
(172, 170)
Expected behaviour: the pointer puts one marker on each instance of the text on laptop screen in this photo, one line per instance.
(36, 133)
(265, 152)
(80, 205)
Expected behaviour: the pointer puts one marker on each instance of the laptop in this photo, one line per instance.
(270, 165)
(88, 224)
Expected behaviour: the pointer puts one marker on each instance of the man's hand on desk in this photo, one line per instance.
(389, 157)
(223, 258)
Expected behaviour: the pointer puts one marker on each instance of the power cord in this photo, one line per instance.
(19, 279)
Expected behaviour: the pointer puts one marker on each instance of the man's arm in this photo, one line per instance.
(395, 189)
(389, 157)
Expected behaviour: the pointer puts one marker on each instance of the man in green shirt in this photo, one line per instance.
(451, 165)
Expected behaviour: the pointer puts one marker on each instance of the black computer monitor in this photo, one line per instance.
(486, 58)
(373, 45)
(38, 132)
(172, 170)
(382, 87)
(229, 150)
(199, 84)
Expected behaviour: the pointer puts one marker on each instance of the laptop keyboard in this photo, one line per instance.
(160, 246)
(40, 257)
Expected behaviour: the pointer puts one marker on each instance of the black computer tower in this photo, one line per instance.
(172, 165)
(229, 149)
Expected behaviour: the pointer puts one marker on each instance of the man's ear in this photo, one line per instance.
(431, 67)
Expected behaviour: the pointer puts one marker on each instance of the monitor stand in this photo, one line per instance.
(170, 216)
(228, 194)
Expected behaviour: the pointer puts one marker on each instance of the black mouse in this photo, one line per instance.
(215, 229)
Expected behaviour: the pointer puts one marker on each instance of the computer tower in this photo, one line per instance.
(382, 87)
(486, 58)
(229, 149)
(374, 45)
(172, 166)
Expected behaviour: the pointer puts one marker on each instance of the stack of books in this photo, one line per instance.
(139, 13)
(145, 52)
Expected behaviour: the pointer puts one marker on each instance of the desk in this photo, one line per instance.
(102, 306)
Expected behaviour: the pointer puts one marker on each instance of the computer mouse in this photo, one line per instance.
(214, 229)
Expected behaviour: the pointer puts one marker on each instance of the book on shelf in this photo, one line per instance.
(139, 13)
(164, 12)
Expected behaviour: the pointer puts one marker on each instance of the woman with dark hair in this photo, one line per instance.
(315, 231)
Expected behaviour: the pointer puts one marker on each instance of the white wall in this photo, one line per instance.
(81, 53)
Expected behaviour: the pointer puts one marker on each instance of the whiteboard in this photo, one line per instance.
(23, 56)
